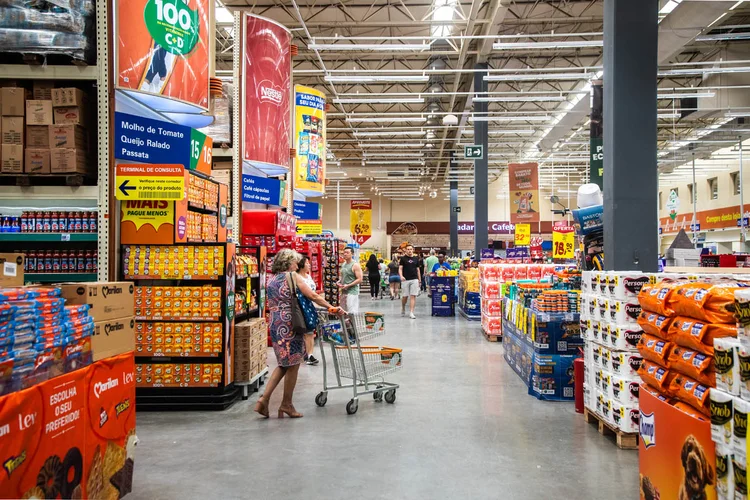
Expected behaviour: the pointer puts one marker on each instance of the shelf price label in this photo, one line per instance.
(563, 242)
(523, 235)
(149, 182)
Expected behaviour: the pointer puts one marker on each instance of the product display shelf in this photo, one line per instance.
(178, 381)
(250, 282)
(50, 189)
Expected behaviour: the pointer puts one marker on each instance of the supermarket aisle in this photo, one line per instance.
(462, 427)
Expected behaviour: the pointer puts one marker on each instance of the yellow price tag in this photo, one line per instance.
(563, 243)
(523, 235)
(309, 228)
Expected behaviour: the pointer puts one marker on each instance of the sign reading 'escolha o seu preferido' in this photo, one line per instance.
(152, 141)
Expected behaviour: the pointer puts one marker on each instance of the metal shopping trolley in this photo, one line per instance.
(366, 366)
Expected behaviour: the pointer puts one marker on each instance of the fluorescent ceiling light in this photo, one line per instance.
(558, 98)
(669, 6)
(444, 11)
(374, 100)
(503, 131)
(222, 14)
(547, 45)
(539, 76)
(530, 118)
(668, 115)
(681, 95)
(386, 47)
(389, 132)
(737, 114)
(375, 78)
(370, 154)
(386, 119)
(391, 145)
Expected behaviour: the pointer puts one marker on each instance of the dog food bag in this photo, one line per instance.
(739, 473)
(625, 337)
(625, 390)
(698, 335)
(625, 363)
(704, 301)
(727, 364)
(692, 392)
(655, 349)
(626, 285)
(742, 313)
(655, 324)
(655, 298)
(724, 474)
(694, 364)
(656, 394)
(740, 410)
(624, 312)
(743, 359)
(625, 418)
(656, 376)
(722, 405)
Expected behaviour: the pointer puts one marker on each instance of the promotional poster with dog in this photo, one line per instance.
(523, 180)
(676, 455)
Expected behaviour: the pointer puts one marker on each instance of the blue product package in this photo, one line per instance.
(589, 219)
(333, 332)
(77, 309)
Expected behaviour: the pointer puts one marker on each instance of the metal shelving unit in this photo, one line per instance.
(99, 194)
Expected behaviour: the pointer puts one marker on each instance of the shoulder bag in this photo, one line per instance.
(304, 307)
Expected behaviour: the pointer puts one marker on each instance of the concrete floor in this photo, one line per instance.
(462, 427)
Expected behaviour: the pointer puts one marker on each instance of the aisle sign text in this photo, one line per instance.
(149, 182)
(310, 228)
(263, 190)
(563, 242)
(523, 235)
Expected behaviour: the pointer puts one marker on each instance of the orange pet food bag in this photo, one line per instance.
(698, 335)
(655, 349)
(692, 392)
(655, 324)
(655, 298)
(704, 301)
(694, 364)
(656, 376)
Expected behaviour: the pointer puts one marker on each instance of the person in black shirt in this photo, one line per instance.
(421, 272)
(373, 275)
(410, 278)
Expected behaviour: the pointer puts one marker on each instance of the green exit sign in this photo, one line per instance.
(475, 152)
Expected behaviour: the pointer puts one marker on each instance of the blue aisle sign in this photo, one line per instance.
(151, 141)
(263, 190)
(306, 210)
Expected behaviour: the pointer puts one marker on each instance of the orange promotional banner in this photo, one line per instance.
(523, 179)
(360, 220)
(717, 218)
(163, 49)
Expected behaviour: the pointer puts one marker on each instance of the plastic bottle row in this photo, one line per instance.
(50, 222)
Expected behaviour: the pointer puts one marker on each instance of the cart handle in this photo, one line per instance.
(375, 349)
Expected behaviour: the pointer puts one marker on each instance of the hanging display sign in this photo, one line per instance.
(522, 236)
(149, 182)
(310, 139)
(310, 228)
(307, 210)
(563, 242)
(673, 204)
(523, 181)
(163, 49)
(152, 141)
(360, 220)
(263, 190)
(266, 85)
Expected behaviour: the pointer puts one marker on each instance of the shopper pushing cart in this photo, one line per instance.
(365, 366)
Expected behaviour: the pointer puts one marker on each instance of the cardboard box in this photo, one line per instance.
(108, 300)
(37, 161)
(112, 337)
(42, 90)
(70, 115)
(38, 112)
(13, 101)
(67, 161)
(67, 136)
(69, 96)
(11, 269)
(12, 159)
(37, 136)
(12, 129)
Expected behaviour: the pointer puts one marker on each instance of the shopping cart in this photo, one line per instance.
(366, 366)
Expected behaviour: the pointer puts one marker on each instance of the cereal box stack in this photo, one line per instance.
(609, 314)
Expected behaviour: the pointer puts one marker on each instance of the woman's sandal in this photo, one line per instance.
(262, 408)
(290, 411)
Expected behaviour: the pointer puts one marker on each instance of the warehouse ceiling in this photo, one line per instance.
(399, 76)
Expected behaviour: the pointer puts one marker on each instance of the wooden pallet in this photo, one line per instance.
(492, 337)
(624, 440)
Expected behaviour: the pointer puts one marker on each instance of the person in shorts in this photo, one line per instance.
(351, 277)
(410, 280)
(394, 280)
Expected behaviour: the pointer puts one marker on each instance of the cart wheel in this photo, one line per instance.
(390, 396)
(321, 399)
(351, 407)
(377, 396)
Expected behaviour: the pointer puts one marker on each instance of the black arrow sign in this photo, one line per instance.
(124, 188)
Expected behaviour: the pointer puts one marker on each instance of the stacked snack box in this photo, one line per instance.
(12, 109)
(609, 315)
(469, 300)
(250, 349)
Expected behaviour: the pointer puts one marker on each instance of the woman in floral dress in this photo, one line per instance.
(288, 346)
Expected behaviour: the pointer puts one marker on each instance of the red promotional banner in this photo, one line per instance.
(162, 49)
(523, 181)
(360, 220)
(266, 89)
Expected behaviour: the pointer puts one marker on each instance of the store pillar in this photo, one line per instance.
(630, 175)
(454, 251)
(480, 164)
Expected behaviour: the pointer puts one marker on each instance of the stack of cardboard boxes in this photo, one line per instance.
(112, 308)
(250, 349)
(46, 134)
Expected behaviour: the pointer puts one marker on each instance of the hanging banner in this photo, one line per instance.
(360, 220)
(162, 49)
(563, 242)
(266, 88)
(310, 139)
(524, 192)
(522, 236)
(263, 190)
(596, 166)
